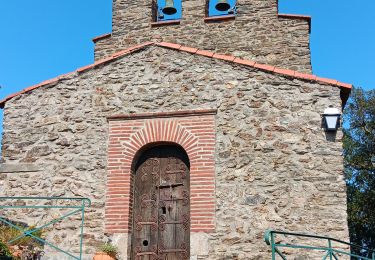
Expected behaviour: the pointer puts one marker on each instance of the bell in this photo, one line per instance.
(169, 8)
(222, 5)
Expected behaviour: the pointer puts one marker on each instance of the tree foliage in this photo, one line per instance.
(359, 158)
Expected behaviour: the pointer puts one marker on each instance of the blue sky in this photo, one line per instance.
(41, 39)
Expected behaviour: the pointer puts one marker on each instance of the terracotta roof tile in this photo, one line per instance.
(344, 85)
(43, 83)
(114, 56)
(100, 37)
(188, 49)
(285, 72)
(305, 76)
(248, 63)
(224, 57)
(205, 53)
(85, 68)
(136, 47)
(264, 67)
(120, 53)
(329, 81)
(244, 62)
(169, 45)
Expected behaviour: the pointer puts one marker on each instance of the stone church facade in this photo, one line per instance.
(233, 96)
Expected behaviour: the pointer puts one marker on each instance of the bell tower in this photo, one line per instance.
(250, 29)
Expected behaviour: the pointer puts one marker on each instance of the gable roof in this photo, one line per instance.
(345, 88)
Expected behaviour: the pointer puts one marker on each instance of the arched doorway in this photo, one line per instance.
(161, 205)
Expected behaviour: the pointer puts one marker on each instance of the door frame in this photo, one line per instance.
(194, 131)
(135, 168)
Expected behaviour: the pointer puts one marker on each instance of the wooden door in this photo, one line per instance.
(161, 210)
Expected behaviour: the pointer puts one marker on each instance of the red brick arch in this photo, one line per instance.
(156, 131)
(194, 131)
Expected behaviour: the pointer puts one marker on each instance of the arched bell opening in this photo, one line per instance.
(167, 10)
(161, 203)
(220, 7)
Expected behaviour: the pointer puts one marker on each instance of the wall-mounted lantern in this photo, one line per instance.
(331, 118)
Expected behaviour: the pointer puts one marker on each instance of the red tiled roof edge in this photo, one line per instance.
(79, 70)
(44, 83)
(297, 16)
(100, 37)
(253, 64)
(232, 59)
(114, 56)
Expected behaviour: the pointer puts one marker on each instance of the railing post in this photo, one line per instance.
(273, 246)
(330, 249)
(82, 223)
(373, 255)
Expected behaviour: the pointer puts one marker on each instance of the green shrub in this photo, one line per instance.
(4, 251)
(8, 233)
(109, 249)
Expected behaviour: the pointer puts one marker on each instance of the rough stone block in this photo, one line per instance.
(19, 167)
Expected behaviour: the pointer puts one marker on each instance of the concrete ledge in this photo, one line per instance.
(19, 167)
(164, 23)
(212, 19)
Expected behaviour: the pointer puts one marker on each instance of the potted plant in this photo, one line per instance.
(106, 251)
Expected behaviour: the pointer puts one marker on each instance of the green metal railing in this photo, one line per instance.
(329, 250)
(75, 210)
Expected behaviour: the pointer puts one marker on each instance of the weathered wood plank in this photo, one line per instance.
(161, 194)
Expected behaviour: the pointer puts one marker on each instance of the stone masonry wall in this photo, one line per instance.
(274, 166)
(256, 33)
